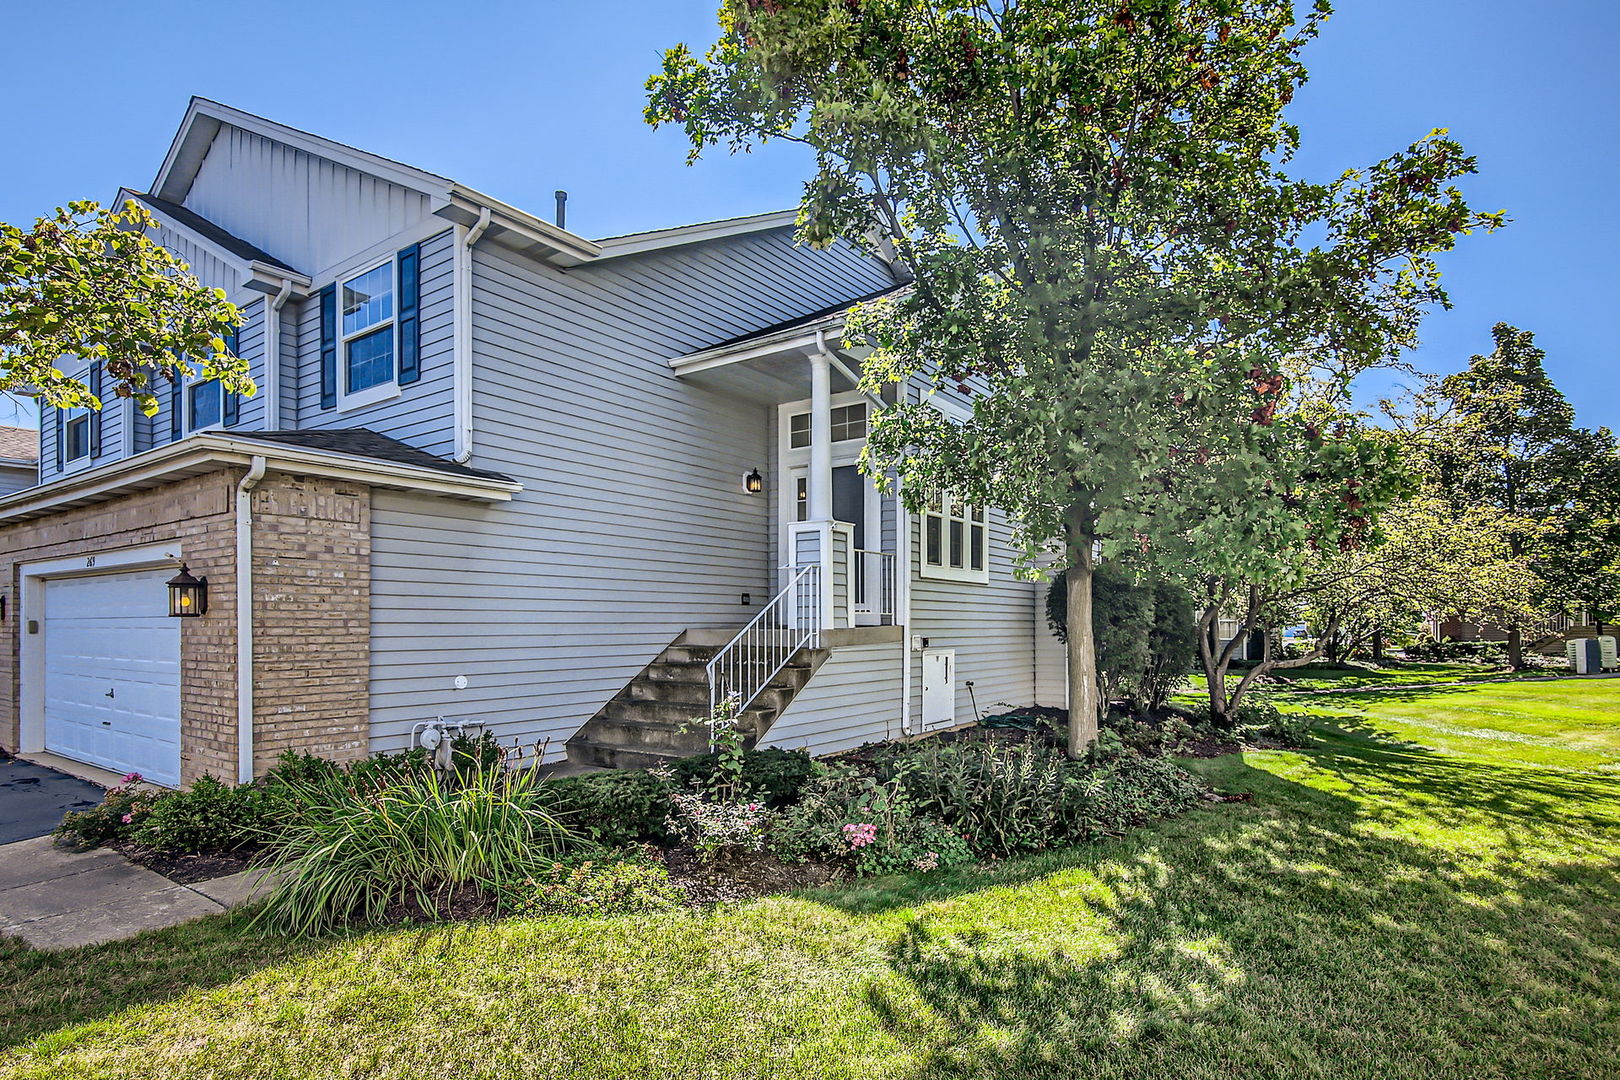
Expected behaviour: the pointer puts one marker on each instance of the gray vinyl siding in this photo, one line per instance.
(423, 414)
(114, 416)
(250, 346)
(632, 525)
(990, 625)
(208, 267)
(854, 698)
(16, 478)
(308, 212)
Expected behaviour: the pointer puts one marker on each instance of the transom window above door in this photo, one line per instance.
(848, 422)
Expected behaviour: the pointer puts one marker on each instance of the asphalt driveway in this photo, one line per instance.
(34, 798)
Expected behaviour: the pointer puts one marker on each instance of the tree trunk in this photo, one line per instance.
(1515, 649)
(1084, 694)
(1378, 646)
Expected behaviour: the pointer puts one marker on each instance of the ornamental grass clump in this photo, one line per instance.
(362, 844)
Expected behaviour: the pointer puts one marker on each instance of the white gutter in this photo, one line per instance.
(244, 618)
(200, 453)
(462, 286)
(272, 354)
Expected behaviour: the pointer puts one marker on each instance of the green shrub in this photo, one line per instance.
(121, 811)
(1259, 718)
(1145, 632)
(615, 808)
(354, 850)
(627, 887)
(774, 776)
(873, 824)
(1007, 797)
(208, 816)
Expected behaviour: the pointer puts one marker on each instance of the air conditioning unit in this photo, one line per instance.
(1590, 656)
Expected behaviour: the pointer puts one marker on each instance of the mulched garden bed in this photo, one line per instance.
(184, 869)
(742, 877)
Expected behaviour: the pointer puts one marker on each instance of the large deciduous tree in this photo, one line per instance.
(1110, 260)
(90, 284)
(1507, 441)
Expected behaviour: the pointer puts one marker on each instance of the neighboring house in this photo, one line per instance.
(494, 471)
(19, 459)
(1547, 636)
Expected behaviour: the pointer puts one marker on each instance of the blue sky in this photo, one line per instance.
(518, 99)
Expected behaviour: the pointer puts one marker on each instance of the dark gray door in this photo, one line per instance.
(849, 500)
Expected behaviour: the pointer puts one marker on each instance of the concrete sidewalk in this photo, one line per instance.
(58, 899)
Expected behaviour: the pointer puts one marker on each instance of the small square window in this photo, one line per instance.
(799, 430)
(849, 422)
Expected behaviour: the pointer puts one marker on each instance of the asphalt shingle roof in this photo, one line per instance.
(19, 443)
(363, 442)
(201, 225)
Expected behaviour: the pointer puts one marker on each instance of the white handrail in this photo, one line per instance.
(875, 574)
(745, 665)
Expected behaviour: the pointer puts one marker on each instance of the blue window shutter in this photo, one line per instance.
(229, 402)
(410, 328)
(177, 418)
(95, 417)
(61, 456)
(328, 297)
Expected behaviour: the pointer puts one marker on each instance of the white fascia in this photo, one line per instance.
(198, 453)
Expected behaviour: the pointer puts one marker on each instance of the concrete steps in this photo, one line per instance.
(658, 716)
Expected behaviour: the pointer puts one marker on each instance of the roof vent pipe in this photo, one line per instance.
(562, 209)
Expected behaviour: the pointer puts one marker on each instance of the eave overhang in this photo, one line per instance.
(200, 454)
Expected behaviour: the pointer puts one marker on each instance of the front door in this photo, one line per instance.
(938, 688)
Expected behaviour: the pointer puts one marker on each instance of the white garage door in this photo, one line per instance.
(112, 673)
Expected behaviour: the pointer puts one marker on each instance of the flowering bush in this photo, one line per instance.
(847, 814)
(717, 826)
(208, 816)
(121, 812)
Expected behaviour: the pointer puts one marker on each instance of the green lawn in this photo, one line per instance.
(1432, 892)
(1325, 676)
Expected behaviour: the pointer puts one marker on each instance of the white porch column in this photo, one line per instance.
(820, 477)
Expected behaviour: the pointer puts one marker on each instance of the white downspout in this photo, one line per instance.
(272, 355)
(244, 618)
(903, 584)
(462, 269)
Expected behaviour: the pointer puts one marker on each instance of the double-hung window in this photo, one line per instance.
(370, 332)
(955, 540)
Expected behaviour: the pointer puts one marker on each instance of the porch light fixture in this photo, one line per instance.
(188, 596)
(753, 482)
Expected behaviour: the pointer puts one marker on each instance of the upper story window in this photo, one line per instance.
(205, 406)
(75, 434)
(368, 329)
(370, 332)
(848, 422)
(955, 540)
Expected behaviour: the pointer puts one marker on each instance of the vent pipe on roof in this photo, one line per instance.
(562, 209)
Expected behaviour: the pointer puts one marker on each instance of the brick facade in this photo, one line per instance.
(312, 600)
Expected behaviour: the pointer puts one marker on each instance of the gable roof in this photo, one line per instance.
(19, 444)
(830, 314)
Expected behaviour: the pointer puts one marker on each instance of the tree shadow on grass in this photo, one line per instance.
(1300, 936)
(46, 991)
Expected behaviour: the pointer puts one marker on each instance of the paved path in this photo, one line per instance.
(34, 798)
(58, 899)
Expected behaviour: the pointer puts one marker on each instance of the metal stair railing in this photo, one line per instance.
(745, 666)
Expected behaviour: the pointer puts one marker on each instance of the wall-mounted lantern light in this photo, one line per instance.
(753, 482)
(188, 596)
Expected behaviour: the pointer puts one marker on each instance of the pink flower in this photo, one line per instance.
(127, 818)
(753, 808)
(132, 778)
